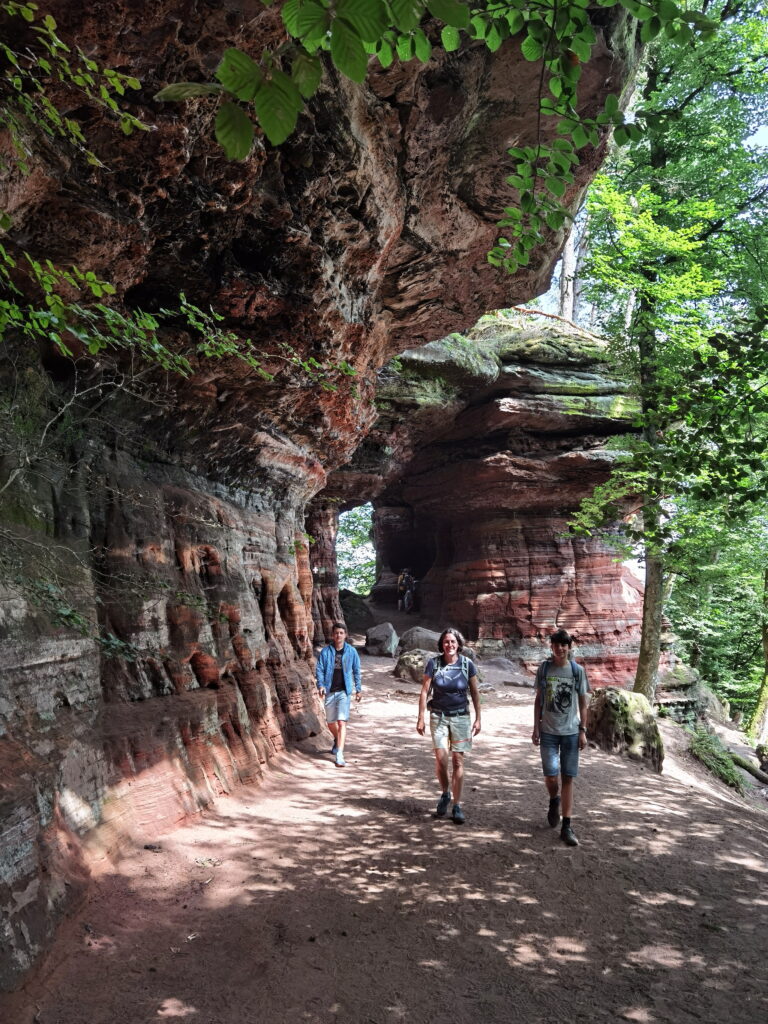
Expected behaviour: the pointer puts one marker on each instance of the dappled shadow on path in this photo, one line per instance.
(335, 895)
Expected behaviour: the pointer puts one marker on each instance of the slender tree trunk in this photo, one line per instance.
(568, 276)
(647, 676)
(758, 726)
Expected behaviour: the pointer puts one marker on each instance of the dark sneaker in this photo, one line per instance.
(442, 805)
(566, 834)
(458, 815)
(553, 814)
(334, 748)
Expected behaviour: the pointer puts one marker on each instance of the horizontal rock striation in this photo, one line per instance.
(156, 618)
(508, 433)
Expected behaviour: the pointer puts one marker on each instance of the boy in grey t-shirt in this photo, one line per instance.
(559, 727)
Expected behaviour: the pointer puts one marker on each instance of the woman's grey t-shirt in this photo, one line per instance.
(560, 698)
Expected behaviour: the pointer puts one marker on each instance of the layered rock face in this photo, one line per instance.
(156, 610)
(508, 432)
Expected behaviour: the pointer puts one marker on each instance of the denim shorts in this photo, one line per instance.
(554, 748)
(337, 706)
(451, 732)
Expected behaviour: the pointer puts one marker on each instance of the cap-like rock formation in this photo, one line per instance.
(157, 599)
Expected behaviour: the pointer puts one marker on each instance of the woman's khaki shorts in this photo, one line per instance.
(451, 732)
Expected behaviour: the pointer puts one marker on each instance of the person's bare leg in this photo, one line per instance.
(441, 770)
(334, 727)
(341, 736)
(458, 776)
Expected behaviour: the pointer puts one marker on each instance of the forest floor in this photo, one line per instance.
(334, 894)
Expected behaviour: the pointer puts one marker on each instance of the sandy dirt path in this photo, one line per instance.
(332, 895)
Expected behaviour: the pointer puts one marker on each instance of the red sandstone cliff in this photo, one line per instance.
(170, 523)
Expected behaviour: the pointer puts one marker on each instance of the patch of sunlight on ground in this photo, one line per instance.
(658, 899)
(175, 1009)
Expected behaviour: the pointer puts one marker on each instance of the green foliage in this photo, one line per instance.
(50, 597)
(716, 602)
(355, 553)
(32, 58)
(707, 748)
(113, 647)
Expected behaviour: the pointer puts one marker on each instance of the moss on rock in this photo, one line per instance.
(623, 722)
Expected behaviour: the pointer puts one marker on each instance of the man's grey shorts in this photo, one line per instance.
(560, 754)
(337, 706)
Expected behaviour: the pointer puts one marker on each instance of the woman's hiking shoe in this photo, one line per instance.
(340, 762)
(553, 814)
(457, 815)
(566, 834)
(442, 805)
(334, 748)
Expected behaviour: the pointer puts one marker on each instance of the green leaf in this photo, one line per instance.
(556, 186)
(239, 74)
(450, 11)
(650, 29)
(187, 90)
(611, 104)
(306, 72)
(347, 51)
(479, 26)
(579, 137)
(312, 21)
(234, 131)
(422, 45)
(516, 21)
(450, 38)
(367, 17)
(289, 12)
(277, 104)
(532, 49)
(493, 40)
(385, 54)
(405, 47)
(620, 136)
(407, 13)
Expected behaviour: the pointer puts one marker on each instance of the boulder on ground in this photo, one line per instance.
(419, 638)
(411, 664)
(623, 722)
(357, 615)
(507, 673)
(381, 640)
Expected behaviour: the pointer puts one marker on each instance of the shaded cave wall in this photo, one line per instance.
(156, 604)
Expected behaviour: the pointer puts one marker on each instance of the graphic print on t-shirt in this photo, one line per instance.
(559, 695)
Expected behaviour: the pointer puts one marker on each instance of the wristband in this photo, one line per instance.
(582, 728)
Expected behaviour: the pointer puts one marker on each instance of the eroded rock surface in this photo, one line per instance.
(173, 655)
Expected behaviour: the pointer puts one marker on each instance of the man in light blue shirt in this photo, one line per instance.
(338, 675)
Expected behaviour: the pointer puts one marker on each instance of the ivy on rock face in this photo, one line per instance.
(269, 89)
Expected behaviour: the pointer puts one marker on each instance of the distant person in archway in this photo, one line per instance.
(450, 680)
(404, 585)
(560, 728)
(338, 676)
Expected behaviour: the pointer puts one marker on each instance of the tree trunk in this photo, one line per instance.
(568, 276)
(758, 726)
(647, 676)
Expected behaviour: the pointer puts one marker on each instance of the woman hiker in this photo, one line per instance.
(449, 680)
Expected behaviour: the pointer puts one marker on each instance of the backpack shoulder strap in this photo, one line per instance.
(465, 667)
(575, 669)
